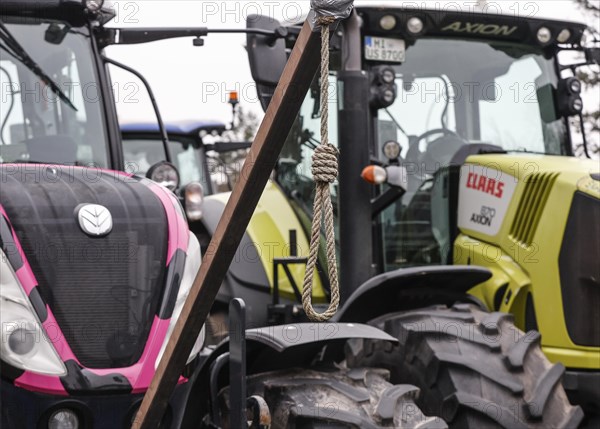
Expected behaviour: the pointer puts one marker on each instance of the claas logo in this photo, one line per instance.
(484, 184)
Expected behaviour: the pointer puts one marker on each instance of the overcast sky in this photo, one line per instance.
(193, 82)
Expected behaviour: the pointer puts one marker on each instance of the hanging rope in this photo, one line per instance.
(325, 172)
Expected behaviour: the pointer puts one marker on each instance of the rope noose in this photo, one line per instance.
(325, 172)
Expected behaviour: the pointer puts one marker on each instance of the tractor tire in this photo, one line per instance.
(475, 369)
(337, 398)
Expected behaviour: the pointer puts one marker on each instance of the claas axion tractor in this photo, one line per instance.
(463, 216)
(456, 153)
(97, 262)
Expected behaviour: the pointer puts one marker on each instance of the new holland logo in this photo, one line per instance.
(94, 220)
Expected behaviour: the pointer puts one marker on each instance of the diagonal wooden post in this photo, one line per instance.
(285, 105)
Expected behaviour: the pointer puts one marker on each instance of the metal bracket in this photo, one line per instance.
(237, 363)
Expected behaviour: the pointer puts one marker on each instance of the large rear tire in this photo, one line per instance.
(475, 369)
(338, 398)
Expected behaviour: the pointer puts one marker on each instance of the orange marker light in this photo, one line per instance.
(234, 97)
(374, 174)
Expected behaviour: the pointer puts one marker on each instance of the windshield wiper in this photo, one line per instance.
(14, 49)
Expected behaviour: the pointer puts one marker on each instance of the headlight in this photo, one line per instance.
(93, 5)
(63, 419)
(24, 342)
(392, 150)
(165, 174)
(192, 265)
(194, 198)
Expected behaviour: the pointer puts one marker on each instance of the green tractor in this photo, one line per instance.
(463, 216)
(457, 175)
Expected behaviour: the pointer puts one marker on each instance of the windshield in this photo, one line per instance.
(473, 92)
(294, 169)
(38, 124)
(453, 93)
(141, 154)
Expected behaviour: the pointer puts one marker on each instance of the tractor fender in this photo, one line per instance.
(411, 288)
(246, 277)
(278, 347)
(271, 349)
(245, 267)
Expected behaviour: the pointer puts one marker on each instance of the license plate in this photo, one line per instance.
(385, 49)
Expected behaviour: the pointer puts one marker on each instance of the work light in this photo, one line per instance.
(388, 22)
(415, 25)
(383, 87)
(569, 101)
(544, 35)
(563, 36)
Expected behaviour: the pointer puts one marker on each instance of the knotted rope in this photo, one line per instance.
(325, 172)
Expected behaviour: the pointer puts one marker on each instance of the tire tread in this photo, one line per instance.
(484, 374)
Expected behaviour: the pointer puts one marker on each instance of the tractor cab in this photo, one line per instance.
(418, 92)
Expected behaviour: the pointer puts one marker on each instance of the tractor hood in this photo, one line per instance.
(539, 208)
(96, 252)
(497, 189)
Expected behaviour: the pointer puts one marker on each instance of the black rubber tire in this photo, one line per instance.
(338, 398)
(475, 369)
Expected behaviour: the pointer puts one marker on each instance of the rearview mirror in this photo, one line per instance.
(267, 56)
(546, 96)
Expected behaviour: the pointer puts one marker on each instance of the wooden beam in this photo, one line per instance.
(285, 105)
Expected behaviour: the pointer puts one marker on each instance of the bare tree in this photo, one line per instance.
(226, 167)
(590, 6)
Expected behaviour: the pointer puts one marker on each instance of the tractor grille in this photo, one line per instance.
(531, 207)
(104, 292)
(100, 293)
(580, 272)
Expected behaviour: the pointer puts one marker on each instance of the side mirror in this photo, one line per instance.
(592, 55)
(548, 110)
(267, 56)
